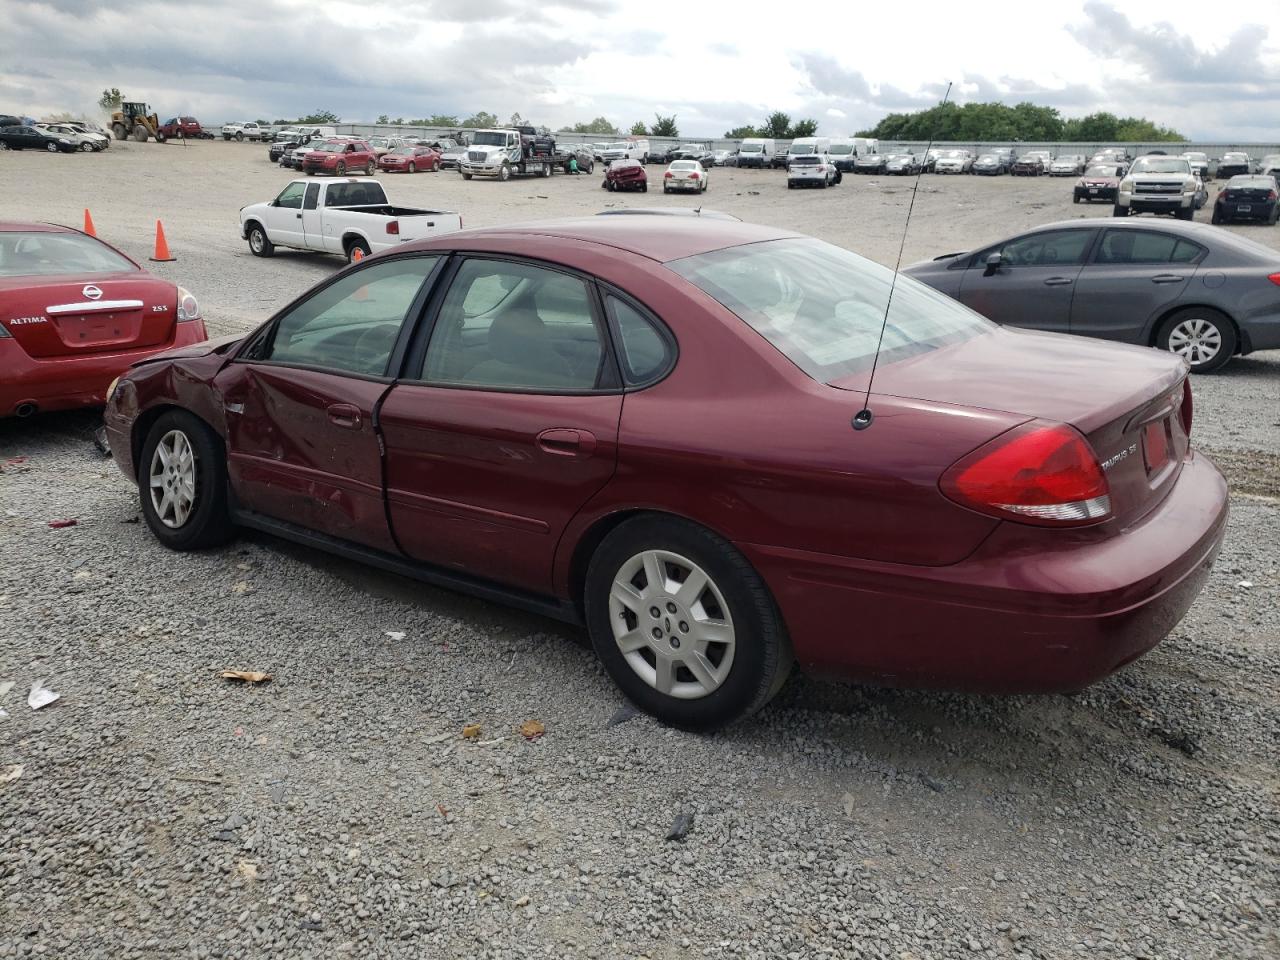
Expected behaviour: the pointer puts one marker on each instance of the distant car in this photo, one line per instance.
(1160, 184)
(249, 130)
(76, 313)
(177, 128)
(902, 165)
(338, 157)
(382, 145)
(85, 142)
(952, 161)
(1199, 163)
(584, 155)
(1233, 165)
(779, 160)
(872, 163)
(9, 120)
(1069, 277)
(1028, 165)
(1247, 197)
(410, 159)
(88, 126)
(990, 165)
(1098, 183)
(34, 138)
(702, 154)
(683, 175)
(626, 175)
(724, 158)
(450, 157)
(656, 154)
(1067, 165)
(812, 170)
(1269, 166)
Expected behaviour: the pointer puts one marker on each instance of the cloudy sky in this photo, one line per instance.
(1209, 73)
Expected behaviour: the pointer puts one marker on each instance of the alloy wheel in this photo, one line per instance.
(672, 624)
(172, 479)
(1195, 340)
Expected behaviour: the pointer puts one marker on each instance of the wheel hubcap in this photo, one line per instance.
(172, 479)
(672, 624)
(1196, 341)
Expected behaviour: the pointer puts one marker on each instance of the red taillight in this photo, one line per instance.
(1271, 195)
(393, 228)
(693, 176)
(1275, 278)
(668, 175)
(1185, 410)
(1040, 473)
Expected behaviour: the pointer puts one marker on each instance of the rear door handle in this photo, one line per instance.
(1167, 278)
(1057, 281)
(566, 442)
(344, 415)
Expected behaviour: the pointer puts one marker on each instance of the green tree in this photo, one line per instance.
(777, 125)
(638, 129)
(479, 120)
(803, 128)
(664, 126)
(517, 120)
(320, 116)
(598, 125)
(1025, 121)
(436, 120)
(111, 99)
(383, 118)
(740, 133)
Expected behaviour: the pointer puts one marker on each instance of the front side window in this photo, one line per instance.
(351, 325)
(514, 326)
(822, 307)
(1143, 246)
(291, 196)
(1051, 248)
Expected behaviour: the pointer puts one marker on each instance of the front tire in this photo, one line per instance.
(51, 147)
(714, 652)
(340, 169)
(504, 174)
(259, 244)
(182, 481)
(413, 168)
(1203, 337)
(86, 147)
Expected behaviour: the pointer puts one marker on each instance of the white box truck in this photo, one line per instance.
(756, 152)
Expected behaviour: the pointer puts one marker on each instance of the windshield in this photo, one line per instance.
(807, 160)
(1235, 156)
(489, 138)
(752, 147)
(800, 147)
(822, 307)
(40, 254)
(1100, 172)
(1197, 157)
(1160, 165)
(685, 165)
(331, 147)
(377, 141)
(618, 146)
(404, 151)
(841, 149)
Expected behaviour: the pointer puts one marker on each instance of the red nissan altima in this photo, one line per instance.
(74, 314)
(645, 425)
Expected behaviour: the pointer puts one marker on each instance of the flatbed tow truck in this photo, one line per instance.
(503, 154)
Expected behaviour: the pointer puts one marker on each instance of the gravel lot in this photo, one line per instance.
(337, 810)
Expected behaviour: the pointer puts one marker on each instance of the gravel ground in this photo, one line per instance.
(161, 811)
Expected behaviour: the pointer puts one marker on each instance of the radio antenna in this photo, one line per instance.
(863, 418)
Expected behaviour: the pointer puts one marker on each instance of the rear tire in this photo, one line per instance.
(140, 133)
(51, 147)
(120, 132)
(357, 245)
(86, 147)
(368, 169)
(239, 137)
(1217, 215)
(1191, 331)
(737, 673)
(196, 480)
(1119, 211)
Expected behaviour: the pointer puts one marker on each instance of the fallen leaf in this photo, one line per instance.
(40, 696)
(471, 731)
(523, 901)
(248, 676)
(443, 811)
(532, 729)
(11, 773)
(59, 524)
(247, 870)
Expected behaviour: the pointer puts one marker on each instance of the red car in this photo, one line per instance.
(74, 314)
(647, 425)
(410, 159)
(340, 157)
(626, 175)
(176, 127)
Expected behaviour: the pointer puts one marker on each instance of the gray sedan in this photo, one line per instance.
(1200, 292)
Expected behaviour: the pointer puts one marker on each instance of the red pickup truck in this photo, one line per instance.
(183, 127)
(340, 157)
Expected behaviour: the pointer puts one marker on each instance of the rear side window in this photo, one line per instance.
(647, 352)
(1143, 246)
(313, 195)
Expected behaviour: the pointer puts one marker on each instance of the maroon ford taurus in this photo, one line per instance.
(644, 425)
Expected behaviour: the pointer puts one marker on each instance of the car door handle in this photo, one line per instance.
(344, 415)
(1057, 281)
(565, 442)
(1167, 278)
(299, 216)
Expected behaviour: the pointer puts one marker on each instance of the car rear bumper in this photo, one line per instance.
(66, 383)
(1004, 620)
(1258, 209)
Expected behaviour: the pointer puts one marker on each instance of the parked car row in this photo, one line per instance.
(59, 137)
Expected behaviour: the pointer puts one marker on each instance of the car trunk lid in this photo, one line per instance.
(57, 317)
(1126, 401)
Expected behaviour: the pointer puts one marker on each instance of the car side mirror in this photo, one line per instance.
(994, 262)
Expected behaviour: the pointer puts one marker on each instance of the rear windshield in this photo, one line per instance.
(1100, 172)
(1253, 183)
(805, 160)
(54, 254)
(361, 193)
(685, 165)
(822, 307)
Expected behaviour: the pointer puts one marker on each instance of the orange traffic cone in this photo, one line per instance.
(162, 253)
(88, 224)
(357, 255)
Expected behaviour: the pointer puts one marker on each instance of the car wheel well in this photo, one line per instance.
(142, 426)
(1154, 334)
(351, 239)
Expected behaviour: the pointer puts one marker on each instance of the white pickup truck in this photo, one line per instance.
(341, 215)
(245, 131)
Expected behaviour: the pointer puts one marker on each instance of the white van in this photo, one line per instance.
(843, 152)
(756, 152)
(625, 150)
(807, 146)
(865, 146)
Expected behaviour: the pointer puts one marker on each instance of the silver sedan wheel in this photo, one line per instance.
(1196, 341)
(173, 479)
(672, 624)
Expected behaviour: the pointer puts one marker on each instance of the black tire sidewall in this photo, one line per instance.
(1219, 320)
(209, 524)
(760, 641)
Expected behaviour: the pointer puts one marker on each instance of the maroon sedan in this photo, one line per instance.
(410, 159)
(1098, 183)
(74, 314)
(626, 175)
(646, 425)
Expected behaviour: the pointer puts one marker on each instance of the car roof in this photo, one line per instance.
(15, 226)
(662, 239)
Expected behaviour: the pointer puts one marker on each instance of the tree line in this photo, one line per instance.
(1024, 121)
